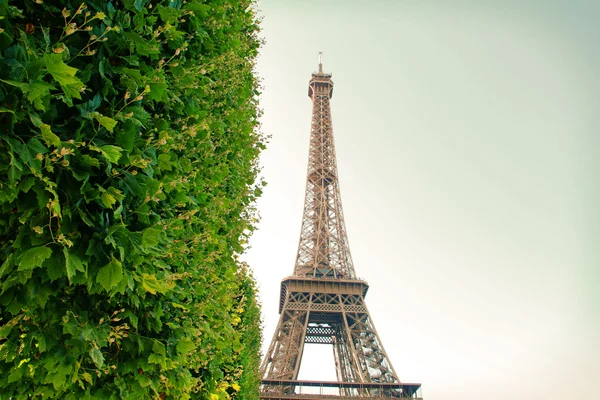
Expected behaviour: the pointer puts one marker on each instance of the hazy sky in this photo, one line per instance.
(467, 138)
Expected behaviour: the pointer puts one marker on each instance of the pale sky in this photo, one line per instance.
(467, 139)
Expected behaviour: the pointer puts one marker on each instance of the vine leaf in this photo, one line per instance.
(72, 263)
(64, 75)
(35, 91)
(110, 152)
(159, 354)
(153, 285)
(110, 275)
(150, 237)
(164, 162)
(150, 283)
(91, 161)
(6, 266)
(15, 170)
(97, 357)
(185, 346)
(7, 327)
(107, 199)
(34, 257)
(105, 121)
(49, 137)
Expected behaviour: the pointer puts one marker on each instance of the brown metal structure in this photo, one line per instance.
(323, 301)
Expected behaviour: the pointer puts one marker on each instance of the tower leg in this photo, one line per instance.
(285, 352)
(372, 359)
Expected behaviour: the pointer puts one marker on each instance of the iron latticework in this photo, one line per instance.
(323, 250)
(323, 302)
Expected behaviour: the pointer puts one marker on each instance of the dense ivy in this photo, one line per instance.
(128, 173)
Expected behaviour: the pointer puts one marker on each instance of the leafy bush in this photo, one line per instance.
(128, 166)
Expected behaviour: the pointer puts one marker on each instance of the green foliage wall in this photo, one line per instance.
(128, 167)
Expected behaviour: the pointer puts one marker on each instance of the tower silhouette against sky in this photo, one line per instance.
(323, 302)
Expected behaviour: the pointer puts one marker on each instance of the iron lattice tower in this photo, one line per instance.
(323, 301)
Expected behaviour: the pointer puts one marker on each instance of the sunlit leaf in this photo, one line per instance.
(49, 137)
(112, 153)
(34, 257)
(110, 275)
(150, 237)
(105, 121)
(184, 346)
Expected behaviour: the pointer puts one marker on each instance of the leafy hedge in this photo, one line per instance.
(128, 167)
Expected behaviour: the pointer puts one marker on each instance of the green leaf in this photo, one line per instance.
(97, 357)
(49, 137)
(139, 114)
(20, 85)
(6, 110)
(36, 147)
(55, 267)
(107, 199)
(7, 265)
(178, 305)
(34, 258)
(150, 237)
(60, 71)
(16, 374)
(151, 284)
(169, 15)
(58, 376)
(156, 91)
(112, 153)
(143, 380)
(156, 359)
(164, 162)
(73, 263)
(7, 327)
(42, 343)
(91, 161)
(159, 348)
(26, 184)
(15, 170)
(105, 121)
(126, 136)
(185, 346)
(159, 355)
(64, 75)
(36, 91)
(110, 275)
(35, 119)
(142, 45)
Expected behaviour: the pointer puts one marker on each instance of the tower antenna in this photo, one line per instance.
(320, 62)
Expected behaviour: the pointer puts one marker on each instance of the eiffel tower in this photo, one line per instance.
(323, 302)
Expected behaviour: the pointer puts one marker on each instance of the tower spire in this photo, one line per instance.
(323, 250)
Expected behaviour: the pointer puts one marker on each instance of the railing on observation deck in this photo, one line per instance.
(326, 278)
(294, 389)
